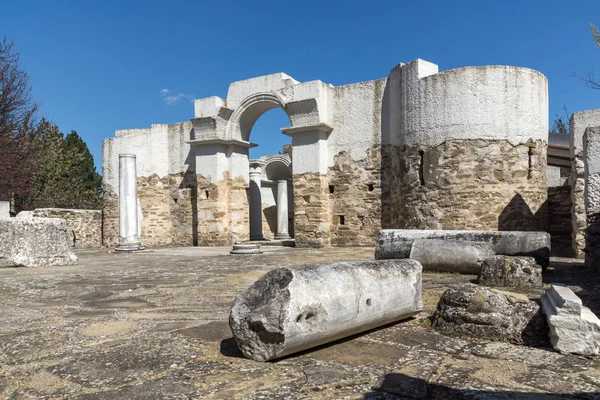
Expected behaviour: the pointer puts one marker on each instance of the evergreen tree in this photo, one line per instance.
(87, 183)
(66, 176)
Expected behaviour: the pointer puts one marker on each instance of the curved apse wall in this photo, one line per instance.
(466, 148)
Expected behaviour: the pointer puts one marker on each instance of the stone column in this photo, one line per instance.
(282, 210)
(256, 232)
(128, 210)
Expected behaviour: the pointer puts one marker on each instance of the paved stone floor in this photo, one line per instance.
(153, 325)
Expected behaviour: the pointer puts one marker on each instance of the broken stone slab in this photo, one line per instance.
(443, 255)
(574, 328)
(397, 243)
(291, 309)
(246, 248)
(35, 242)
(512, 271)
(493, 314)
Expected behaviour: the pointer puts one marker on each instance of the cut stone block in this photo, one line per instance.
(35, 242)
(397, 243)
(246, 249)
(573, 327)
(510, 271)
(464, 257)
(4, 209)
(491, 314)
(292, 309)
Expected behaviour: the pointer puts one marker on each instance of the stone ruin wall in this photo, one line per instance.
(578, 124)
(84, 227)
(223, 211)
(393, 163)
(355, 199)
(312, 218)
(167, 208)
(559, 220)
(466, 184)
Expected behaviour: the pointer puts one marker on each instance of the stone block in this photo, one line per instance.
(293, 309)
(396, 243)
(574, 328)
(4, 209)
(35, 242)
(510, 271)
(464, 257)
(490, 314)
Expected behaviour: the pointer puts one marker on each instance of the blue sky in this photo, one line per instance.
(99, 66)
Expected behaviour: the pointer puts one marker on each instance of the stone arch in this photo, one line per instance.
(249, 111)
(277, 167)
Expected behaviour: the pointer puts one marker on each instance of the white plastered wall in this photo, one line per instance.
(487, 102)
(159, 150)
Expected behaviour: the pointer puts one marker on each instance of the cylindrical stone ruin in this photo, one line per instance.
(464, 257)
(293, 309)
(128, 210)
(398, 243)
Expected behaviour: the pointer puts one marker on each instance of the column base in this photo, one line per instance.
(129, 247)
(282, 236)
(259, 237)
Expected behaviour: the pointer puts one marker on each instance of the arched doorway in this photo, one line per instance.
(271, 198)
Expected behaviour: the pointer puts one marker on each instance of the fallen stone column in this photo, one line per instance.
(397, 243)
(292, 309)
(451, 255)
(573, 327)
(35, 242)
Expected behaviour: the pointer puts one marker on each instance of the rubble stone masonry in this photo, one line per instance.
(355, 199)
(84, 227)
(465, 184)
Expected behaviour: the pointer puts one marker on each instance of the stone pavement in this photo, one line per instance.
(153, 325)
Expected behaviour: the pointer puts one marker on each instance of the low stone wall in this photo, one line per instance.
(559, 220)
(84, 227)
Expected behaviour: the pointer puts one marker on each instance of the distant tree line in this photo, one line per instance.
(39, 165)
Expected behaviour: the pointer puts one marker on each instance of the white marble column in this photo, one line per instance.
(256, 232)
(282, 210)
(128, 208)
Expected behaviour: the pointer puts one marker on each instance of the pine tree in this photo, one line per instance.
(66, 176)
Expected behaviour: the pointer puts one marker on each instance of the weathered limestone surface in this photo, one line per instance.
(488, 313)
(84, 227)
(559, 220)
(311, 210)
(464, 257)
(573, 327)
(35, 242)
(293, 309)
(467, 184)
(154, 325)
(397, 243)
(510, 271)
(4, 209)
(355, 195)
